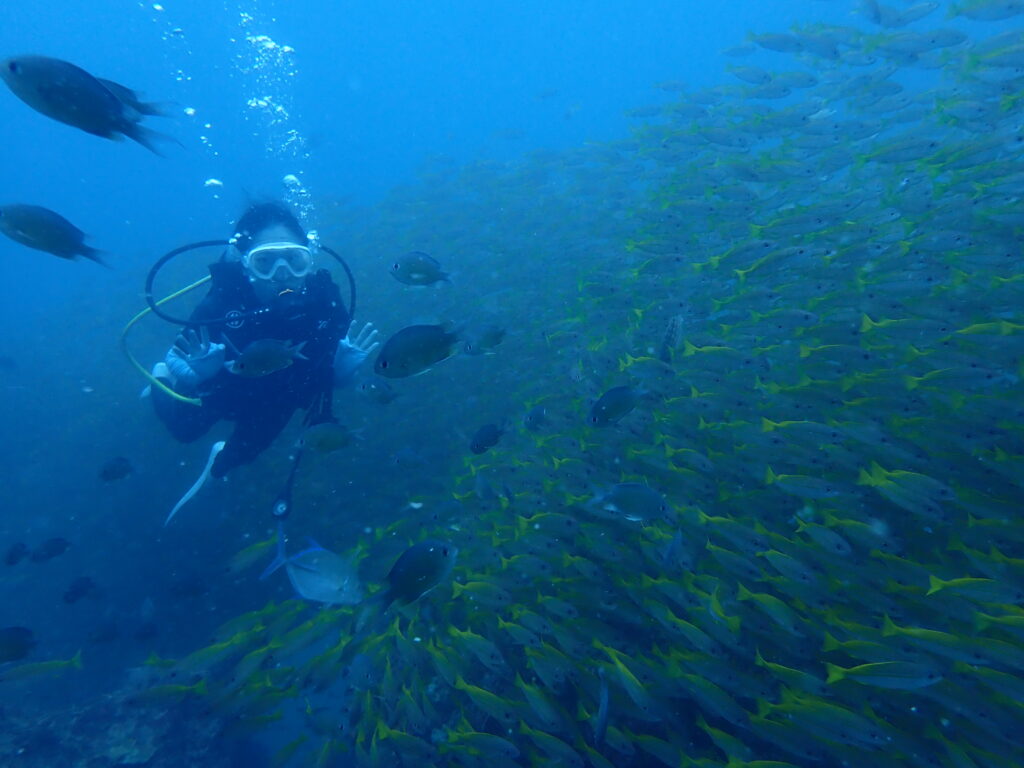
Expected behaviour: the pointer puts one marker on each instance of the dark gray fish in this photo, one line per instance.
(117, 468)
(613, 405)
(50, 549)
(16, 553)
(15, 643)
(485, 342)
(70, 95)
(414, 350)
(44, 230)
(418, 268)
(264, 357)
(130, 98)
(486, 438)
(418, 570)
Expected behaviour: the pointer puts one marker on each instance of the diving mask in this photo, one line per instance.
(264, 260)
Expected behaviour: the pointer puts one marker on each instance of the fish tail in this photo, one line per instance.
(94, 254)
(981, 621)
(147, 137)
(830, 643)
(835, 673)
(155, 108)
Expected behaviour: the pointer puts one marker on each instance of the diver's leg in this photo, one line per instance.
(252, 435)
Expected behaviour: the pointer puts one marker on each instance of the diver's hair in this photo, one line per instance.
(261, 216)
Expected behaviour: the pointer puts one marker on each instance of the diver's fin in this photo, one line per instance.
(279, 559)
(273, 567)
(217, 448)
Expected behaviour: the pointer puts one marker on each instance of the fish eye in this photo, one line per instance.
(13, 66)
(383, 363)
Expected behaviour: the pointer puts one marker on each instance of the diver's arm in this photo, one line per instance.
(352, 353)
(194, 359)
(184, 377)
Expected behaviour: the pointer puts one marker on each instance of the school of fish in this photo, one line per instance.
(761, 505)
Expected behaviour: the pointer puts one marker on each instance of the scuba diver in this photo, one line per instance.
(271, 336)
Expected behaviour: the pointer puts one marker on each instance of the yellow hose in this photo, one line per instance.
(138, 366)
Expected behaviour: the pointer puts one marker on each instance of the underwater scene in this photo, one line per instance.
(613, 384)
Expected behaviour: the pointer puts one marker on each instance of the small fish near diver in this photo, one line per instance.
(418, 268)
(264, 357)
(414, 350)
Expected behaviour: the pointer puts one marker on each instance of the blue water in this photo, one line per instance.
(374, 91)
(356, 113)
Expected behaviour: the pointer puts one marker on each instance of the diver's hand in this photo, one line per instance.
(352, 353)
(365, 340)
(204, 357)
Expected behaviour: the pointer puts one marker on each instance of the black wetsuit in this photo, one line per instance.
(261, 407)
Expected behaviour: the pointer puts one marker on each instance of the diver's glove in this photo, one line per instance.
(352, 353)
(194, 358)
